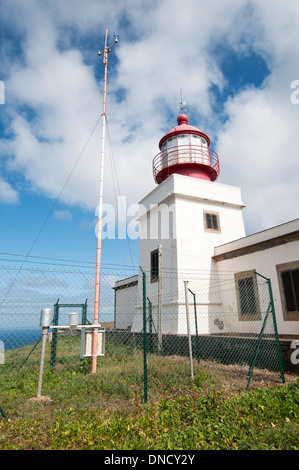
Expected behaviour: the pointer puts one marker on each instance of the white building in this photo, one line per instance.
(191, 229)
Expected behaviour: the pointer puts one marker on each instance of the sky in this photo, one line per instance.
(236, 63)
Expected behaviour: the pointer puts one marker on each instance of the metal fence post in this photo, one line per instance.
(144, 334)
(84, 313)
(276, 331)
(2, 413)
(188, 330)
(150, 318)
(268, 280)
(42, 361)
(160, 297)
(196, 326)
(258, 347)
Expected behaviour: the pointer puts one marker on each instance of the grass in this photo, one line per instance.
(105, 411)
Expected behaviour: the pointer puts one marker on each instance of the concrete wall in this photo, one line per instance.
(265, 263)
(173, 215)
(125, 301)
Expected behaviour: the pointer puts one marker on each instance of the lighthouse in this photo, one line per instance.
(185, 150)
(192, 234)
(186, 215)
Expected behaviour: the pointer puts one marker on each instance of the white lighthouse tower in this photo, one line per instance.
(182, 220)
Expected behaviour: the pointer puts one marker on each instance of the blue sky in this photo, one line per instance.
(235, 62)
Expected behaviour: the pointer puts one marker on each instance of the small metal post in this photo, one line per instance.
(144, 335)
(188, 330)
(160, 297)
(45, 323)
(196, 327)
(45, 330)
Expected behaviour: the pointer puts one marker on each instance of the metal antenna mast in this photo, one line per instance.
(99, 231)
(182, 104)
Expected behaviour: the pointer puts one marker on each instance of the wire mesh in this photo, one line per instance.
(162, 336)
(220, 325)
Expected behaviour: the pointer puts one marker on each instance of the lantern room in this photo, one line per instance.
(185, 150)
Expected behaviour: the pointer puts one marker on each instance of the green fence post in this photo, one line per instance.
(258, 347)
(275, 326)
(2, 413)
(84, 313)
(276, 331)
(144, 335)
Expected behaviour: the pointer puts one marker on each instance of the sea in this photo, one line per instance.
(17, 338)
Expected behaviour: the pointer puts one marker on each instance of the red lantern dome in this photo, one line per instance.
(185, 150)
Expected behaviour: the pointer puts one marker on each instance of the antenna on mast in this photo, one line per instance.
(182, 104)
(99, 230)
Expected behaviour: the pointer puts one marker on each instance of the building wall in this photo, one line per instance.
(265, 262)
(172, 215)
(125, 302)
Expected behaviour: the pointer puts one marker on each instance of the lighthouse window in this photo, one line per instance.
(288, 276)
(198, 140)
(183, 139)
(171, 142)
(212, 222)
(164, 155)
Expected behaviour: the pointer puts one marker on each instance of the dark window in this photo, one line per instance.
(247, 296)
(154, 266)
(211, 220)
(290, 282)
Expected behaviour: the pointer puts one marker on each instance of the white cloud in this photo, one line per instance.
(258, 154)
(163, 47)
(63, 215)
(258, 145)
(8, 195)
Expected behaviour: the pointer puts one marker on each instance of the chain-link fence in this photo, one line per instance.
(159, 335)
(222, 326)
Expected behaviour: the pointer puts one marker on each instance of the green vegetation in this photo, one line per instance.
(261, 419)
(106, 410)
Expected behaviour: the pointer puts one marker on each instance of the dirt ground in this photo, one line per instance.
(234, 378)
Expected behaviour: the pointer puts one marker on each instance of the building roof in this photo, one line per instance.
(183, 128)
(263, 240)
